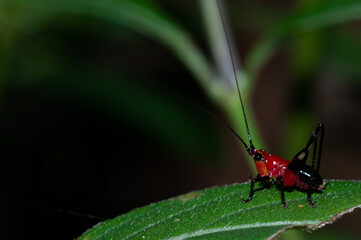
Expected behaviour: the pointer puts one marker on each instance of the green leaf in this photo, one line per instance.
(218, 213)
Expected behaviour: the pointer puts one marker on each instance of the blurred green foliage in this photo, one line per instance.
(96, 54)
(43, 48)
(313, 31)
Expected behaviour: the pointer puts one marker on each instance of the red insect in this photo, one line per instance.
(294, 173)
(290, 173)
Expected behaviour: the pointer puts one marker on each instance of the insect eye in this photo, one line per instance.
(258, 157)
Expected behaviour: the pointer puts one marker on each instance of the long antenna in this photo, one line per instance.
(209, 113)
(235, 74)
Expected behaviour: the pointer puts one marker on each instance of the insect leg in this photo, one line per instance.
(314, 138)
(322, 127)
(313, 204)
(302, 155)
(314, 155)
(280, 182)
(253, 181)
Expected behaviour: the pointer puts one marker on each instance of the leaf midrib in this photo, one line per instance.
(230, 214)
(243, 226)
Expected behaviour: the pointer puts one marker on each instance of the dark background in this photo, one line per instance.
(86, 126)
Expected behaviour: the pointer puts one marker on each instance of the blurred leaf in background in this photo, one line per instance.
(84, 125)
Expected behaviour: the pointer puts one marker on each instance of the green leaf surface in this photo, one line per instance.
(218, 213)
